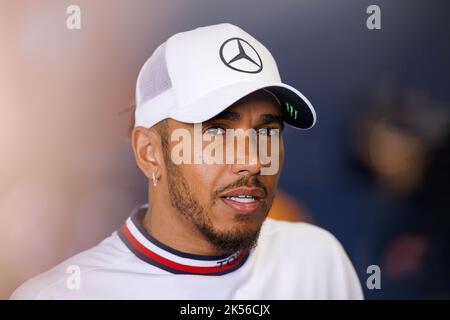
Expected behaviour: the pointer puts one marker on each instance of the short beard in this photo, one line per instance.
(182, 199)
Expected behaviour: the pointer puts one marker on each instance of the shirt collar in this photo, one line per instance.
(152, 251)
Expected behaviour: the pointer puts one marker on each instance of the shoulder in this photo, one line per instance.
(302, 240)
(304, 234)
(60, 282)
(304, 249)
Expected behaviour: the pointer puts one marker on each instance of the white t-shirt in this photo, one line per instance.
(291, 261)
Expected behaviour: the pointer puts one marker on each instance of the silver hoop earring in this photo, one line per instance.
(155, 180)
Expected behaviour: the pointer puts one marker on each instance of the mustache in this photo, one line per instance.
(241, 182)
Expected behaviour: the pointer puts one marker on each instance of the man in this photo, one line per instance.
(205, 233)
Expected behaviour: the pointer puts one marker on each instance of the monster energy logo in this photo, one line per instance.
(291, 110)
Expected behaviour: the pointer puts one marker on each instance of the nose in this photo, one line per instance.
(246, 169)
(246, 160)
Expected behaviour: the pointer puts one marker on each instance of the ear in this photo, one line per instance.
(146, 145)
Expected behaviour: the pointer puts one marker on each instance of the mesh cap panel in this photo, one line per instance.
(153, 78)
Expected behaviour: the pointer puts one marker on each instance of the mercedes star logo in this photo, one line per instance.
(239, 55)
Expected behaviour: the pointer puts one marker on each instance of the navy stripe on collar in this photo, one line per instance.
(152, 251)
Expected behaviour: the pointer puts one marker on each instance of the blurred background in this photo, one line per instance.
(374, 170)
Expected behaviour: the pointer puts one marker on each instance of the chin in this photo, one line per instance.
(240, 223)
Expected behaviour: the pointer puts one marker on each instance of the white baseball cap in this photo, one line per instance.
(197, 74)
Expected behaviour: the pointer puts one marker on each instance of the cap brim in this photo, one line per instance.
(297, 110)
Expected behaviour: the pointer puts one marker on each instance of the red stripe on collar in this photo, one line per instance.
(225, 266)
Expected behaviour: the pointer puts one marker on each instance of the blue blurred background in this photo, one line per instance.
(374, 170)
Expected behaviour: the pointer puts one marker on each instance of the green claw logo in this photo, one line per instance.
(291, 110)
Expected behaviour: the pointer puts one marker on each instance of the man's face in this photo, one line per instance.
(226, 202)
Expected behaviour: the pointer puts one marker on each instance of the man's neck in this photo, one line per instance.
(173, 229)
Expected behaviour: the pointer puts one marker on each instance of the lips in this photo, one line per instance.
(257, 193)
(244, 200)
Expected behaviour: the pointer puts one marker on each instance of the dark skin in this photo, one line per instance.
(186, 210)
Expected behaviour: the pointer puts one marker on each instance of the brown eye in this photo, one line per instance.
(215, 131)
(267, 131)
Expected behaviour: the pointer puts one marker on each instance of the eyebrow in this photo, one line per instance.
(266, 118)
